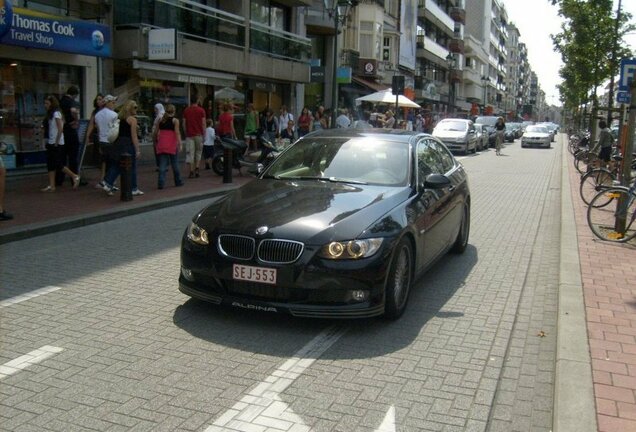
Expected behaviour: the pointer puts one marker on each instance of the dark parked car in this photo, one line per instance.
(338, 226)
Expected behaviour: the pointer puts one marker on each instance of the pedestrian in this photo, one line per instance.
(167, 135)
(159, 112)
(4, 216)
(389, 120)
(419, 123)
(283, 118)
(343, 120)
(288, 134)
(304, 122)
(500, 130)
(318, 122)
(270, 125)
(103, 119)
(603, 147)
(55, 153)
(208, 143)
(251, 128)
(70, 108)
(92, 134)
(127, 142)
(225, 124)
(194, 126)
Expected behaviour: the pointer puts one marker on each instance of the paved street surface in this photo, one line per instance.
(96, 335)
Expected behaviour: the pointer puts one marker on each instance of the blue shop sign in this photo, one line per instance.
(22, 27)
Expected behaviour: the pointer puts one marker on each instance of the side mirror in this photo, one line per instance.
(436, 181)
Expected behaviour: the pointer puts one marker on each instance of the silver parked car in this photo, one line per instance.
(457, 134)
(483, 136)
(536, 136)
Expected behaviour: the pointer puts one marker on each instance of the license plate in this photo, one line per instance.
(254, 274)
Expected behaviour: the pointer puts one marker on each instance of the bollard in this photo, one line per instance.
(227, 165)
(125, 168)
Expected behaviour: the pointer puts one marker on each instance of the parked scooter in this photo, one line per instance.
(238, 161)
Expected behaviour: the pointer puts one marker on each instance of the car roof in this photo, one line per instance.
(387, 134)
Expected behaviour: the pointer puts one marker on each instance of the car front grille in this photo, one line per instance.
(274, 251)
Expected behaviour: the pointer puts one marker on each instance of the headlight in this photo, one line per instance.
(351, 249)
(197, 235)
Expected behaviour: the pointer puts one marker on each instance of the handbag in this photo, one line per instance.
(113, 130)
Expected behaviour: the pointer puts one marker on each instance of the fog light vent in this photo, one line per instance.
(187, 273)
(359, 295)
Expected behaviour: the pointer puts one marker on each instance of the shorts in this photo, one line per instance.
(208, 151)
(194, 148)
(605, 154)
(250, 135)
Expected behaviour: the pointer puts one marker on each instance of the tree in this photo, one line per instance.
(590, 42)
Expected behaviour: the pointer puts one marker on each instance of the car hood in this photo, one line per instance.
(536, 135)
(310, 211)
(449, 134)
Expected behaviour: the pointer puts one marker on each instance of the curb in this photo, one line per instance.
(38, 229)
(574, 405)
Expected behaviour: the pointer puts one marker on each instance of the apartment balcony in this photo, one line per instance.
(436, 15)
(456, 46)
(429, 49)
(458, 15)
(350, 58)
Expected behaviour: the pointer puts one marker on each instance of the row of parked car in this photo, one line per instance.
(466, 136)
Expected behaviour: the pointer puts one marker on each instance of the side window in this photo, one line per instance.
(446, 159)
(428, 160)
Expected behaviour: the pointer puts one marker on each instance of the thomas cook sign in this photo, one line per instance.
(26, 28)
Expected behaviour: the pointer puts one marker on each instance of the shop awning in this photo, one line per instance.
(168, 72)
(370, 84)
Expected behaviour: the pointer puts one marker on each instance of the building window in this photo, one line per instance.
(270, 14)
(366, 39)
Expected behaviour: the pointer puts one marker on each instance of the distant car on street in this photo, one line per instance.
(458, 134)
(536, 136)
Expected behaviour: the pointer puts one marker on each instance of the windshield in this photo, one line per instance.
(537, 129)
(487, 120)
(456, 126)
(366, 160)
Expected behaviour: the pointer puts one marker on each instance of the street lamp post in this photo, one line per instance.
(338, 11)
(450, 60)
(484, 82)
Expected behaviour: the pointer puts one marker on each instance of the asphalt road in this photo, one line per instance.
(96, 335)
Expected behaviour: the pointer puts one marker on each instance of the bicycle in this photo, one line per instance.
(612, 214)
(602, 178)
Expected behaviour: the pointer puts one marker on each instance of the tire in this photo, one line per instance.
(218, 165)
(592, 182)
(398, 283)
(461, 241)
(602, 218)
(582, 160)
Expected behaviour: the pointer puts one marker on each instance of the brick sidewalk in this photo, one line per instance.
(31, 207)
(608, 273)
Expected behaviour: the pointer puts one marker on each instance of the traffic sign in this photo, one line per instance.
(628, 73)
(623, 97)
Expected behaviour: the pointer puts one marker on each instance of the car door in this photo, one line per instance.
(432, 204)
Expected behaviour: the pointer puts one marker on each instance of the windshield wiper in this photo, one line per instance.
(342, 180)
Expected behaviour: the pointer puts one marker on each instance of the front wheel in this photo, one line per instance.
(218, 165)
(461, 241)
(398, 284)
(593, 182)
(614, 219)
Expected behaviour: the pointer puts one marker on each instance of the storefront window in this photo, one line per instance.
(23, 88)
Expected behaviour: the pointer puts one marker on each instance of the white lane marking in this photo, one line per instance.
(262, 409)
(29, 359)
(388, 424)
(27, 296)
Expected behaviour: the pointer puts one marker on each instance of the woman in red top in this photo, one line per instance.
(304, 122)
(225, 125)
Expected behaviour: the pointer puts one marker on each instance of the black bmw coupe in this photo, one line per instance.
(340, 225)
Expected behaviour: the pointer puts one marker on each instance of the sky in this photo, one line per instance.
(536, 21)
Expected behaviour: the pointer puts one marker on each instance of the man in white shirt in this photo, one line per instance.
(343, 120)
(103, 119)
(283, 119)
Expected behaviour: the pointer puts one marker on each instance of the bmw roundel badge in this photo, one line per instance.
(261, 230)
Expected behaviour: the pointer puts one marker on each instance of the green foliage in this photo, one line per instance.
(590, 45)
